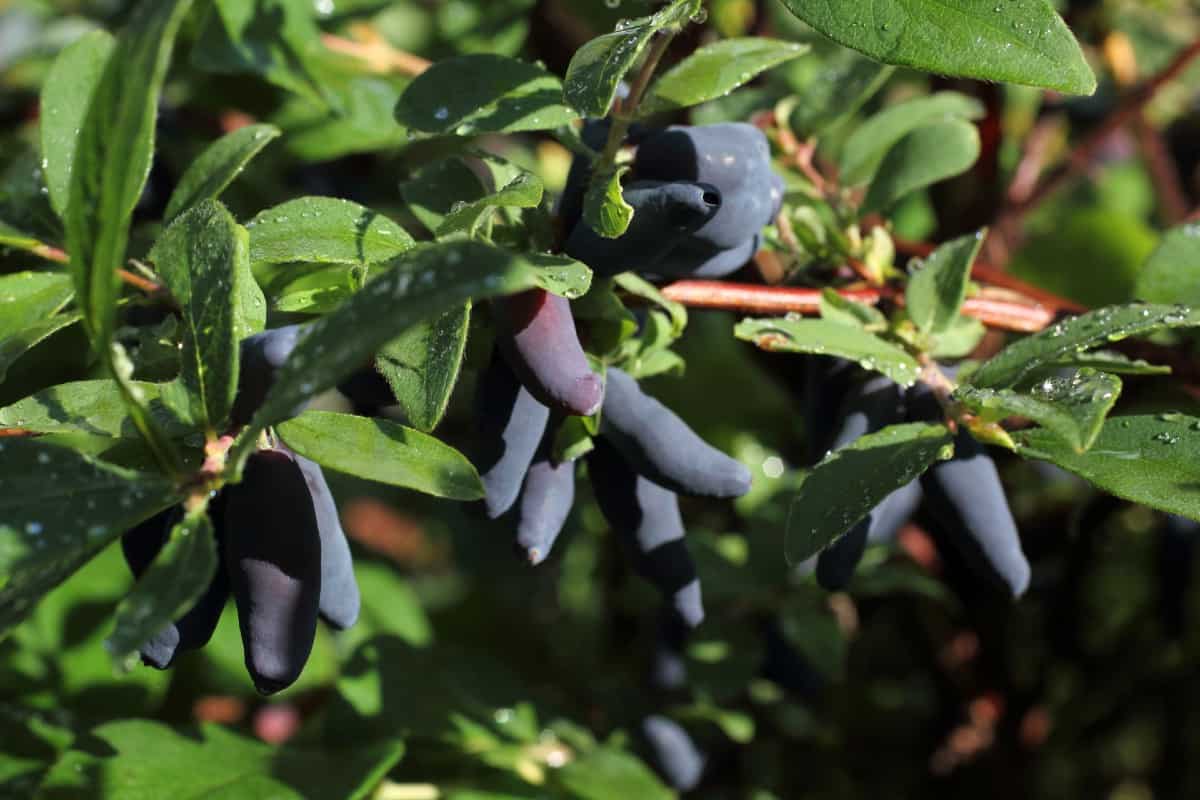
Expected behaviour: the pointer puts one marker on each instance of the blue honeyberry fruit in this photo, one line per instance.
(661, 446)
(273, 556)
(536, 333)
(511, 425)
(645, 518)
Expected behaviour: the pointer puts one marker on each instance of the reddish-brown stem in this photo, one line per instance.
(138, 282)
(16, 433)
(1172, 199)
(998, 312)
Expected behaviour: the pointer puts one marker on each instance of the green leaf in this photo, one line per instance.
(1072, 408)
(1015, 41)
(437, 188)
(12, 237)
(21, 342)
(314, 291)
(1152, 460)
(93, 407)
(362, 120)
(383, 451)
(871, 141)
(605, 772)
(59, 508)
(324, 230)
(422, 283)
(1172, 273)
(1110, 361)
(64, 104)
(716, 70)
(923, 157)
(203, 259)
(604, 206)
(844, 311)
(844, 487)
(1061, 340)
(841, 83)
(822, 337)
(217, 166)
(140, 758)
(276, 39)
(483, 93)
(640, 287)
(170, 586)
(422, 365)
(597, 68)
(112, 160)
(959, 340)
(936, 291)
(523, 191)
(27, 298)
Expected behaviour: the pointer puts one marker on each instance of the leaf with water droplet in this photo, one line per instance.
(1141, 458)
(1025, 356)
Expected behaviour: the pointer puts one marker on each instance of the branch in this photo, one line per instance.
(995, 308)
(1083, 155)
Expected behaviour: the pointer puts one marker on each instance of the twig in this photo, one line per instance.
(16, 433)
(1083, 155)
(1172, 200)
(1004, 313)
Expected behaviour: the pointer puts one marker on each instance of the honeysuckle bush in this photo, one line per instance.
(177, 178)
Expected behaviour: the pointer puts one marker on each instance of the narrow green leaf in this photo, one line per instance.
(141, 758)
(66, 94)
(27, 298)
(217, 166)
(936, 291)
(12, 237)
(250, 304)
(422, 366)
(1110, 361)
(112, 160)
(170, 586)
(821, 337)
(198, 257)
(324, 230)
(422, 283)
(93, 407)
(606, 772)
(604, 206)
(1072, 408)
(59, 508)
(640, 287)
(523, 191)
(851, 481)
(21, 342)
(482, 93)
(871, 141)
(1015, 41)
(833, 92)
(1152, 460)
(1172, 273)
(383, 451)
(715, 70)
(314, 291)
(597, 68)
(927, 155)
(1061, 340)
